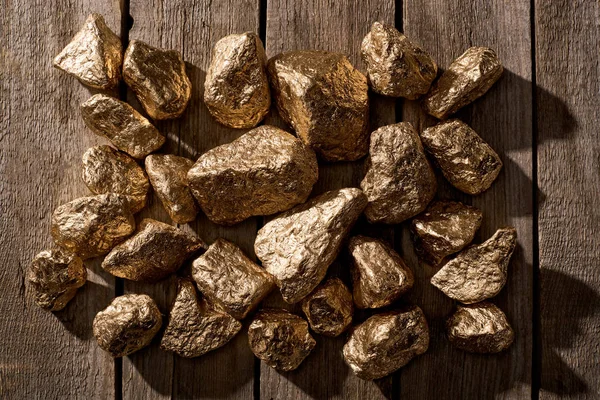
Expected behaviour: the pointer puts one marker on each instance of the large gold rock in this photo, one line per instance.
(94, 55)
(324, 98)
(298, 246)
(158, 79)
(265, 171)
(399, 181)
(395, 66)
(91, 226)
(154, 252)
(329, 308)
(120, 123)
(480, 328)
(195, 328)
(228, 278)
(168, 175)
(386, 342)
(479, 272)
(466, 79)
(236, 90)
(280, 339)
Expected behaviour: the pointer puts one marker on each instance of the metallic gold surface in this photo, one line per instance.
(395, 66)
(466, 160)
(54, 277)
(386, 342)
(126, 128)
(399, 181)
(168, 175)
(446, 227)
(379, 274)
(106, 170)
(94, 56)
(324, 98)
(91, 226)
(236, 90)
(280, 339)
(128, 324)
(263, 172)
(298, 246)
(329, 308)
(480, 328)
(228, 278)
(155, 251)
(158, 79)
(195, 327)
(478, 272)
(466, 79)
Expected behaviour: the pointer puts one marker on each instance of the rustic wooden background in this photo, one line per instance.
(541, 117)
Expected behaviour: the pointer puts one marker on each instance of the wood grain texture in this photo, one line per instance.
(567, 97)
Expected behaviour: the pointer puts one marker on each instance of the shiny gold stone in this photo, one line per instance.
(329, 308)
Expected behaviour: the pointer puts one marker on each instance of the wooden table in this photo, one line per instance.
(541, 117)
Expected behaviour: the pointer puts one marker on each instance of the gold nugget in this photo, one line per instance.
(329, 308)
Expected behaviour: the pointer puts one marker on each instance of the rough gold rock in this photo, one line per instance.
(468, 78)
(228, 278)
(395, 66)
(329, 308)
(280, 339)
(324, 98)
(479, 272)
(106, 170)
(379, 274)
(154, 252)
(94, 56)
(128, 324)
(386, 342)
(263, 172)
(168, 175)
(55, 276)
(91, 226)
(298, 246)
(236, 90)
(446, 227)
(466, 160)
(399, 181)
(158, 79)
(480, 328)
(120, 123)
(195, 327)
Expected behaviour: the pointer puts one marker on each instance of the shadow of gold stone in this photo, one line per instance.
(329, 308)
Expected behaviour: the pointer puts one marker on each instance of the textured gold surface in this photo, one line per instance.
(466, 160)
(280, 339)
(399, 181)
(94, 55)
(158, 79)
(298, 246)
(155, 251)
(106, 170)
(329, 308)
(236, 90)
(445, 228)
(128, 324)
(228, 278)
(386, 342)
(395, 66)
(168, 175)
(379, 274)
(126, 128)
(54, 277)
(91, 226)
(263, 172)
(324, 98)
(466, 79)
(480, 328)
(478, 272)
(195, 327)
